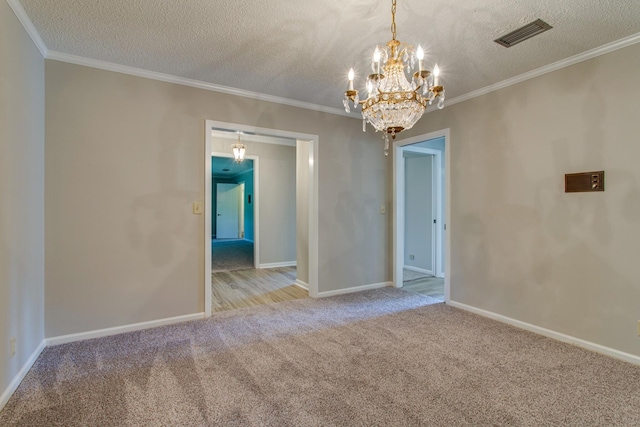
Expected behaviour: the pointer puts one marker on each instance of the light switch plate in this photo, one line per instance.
(383, 210)
(197, 208)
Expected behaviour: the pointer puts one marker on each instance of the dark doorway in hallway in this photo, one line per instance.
(231, 255)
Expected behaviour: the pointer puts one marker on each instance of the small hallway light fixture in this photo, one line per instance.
(395, 103)
(239, 150)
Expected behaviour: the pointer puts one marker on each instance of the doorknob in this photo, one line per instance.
(219, 214)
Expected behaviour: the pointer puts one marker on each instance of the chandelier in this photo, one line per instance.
(394, 104)
(238, 150)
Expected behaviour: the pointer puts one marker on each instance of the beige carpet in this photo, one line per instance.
(385, 358)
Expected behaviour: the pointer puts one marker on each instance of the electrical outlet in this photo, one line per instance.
(12, 346)
(412, 257)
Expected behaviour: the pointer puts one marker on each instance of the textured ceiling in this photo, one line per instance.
(301, 50)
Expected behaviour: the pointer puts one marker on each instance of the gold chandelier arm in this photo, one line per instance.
(421, 74)
(393, 18)
(351, 95)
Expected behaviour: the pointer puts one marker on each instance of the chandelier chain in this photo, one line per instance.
(393, 18)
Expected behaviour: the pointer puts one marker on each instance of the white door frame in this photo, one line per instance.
(255, 200)
(436, 204)
(399, 147)
(241, 200)
(312, 166)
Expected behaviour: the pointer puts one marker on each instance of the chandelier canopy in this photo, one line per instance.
(394, 103)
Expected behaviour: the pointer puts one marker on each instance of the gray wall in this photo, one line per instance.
(22, 195)
(129, 151)
(418, 212)
(520, 246)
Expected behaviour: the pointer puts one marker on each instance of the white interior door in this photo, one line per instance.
(227, 207)
(419, 227)
(437, 211)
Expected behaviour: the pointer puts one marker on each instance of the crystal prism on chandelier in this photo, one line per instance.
(394, 103)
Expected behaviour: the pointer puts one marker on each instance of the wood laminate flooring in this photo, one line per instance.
(251, 287)
(429, 286)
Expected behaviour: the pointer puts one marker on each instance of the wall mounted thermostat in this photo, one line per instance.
(584, 182)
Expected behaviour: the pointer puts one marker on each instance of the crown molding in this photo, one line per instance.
(598, 51)
(28, 26)
(124, 69)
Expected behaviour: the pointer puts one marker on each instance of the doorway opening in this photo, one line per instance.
(232, 222)
(283, 229)
(421, 200)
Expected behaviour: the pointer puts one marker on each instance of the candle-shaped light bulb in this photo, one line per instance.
(420, 56)
(376, 59)
(351, 76)
(436, 75)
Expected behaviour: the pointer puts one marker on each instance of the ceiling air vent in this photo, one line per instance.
(523, 33)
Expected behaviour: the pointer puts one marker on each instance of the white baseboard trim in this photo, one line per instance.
(6, 395)
(419, 270)
(550, 334)
(354, 289)
(279, 264)
(63, 339)
(301, 284)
